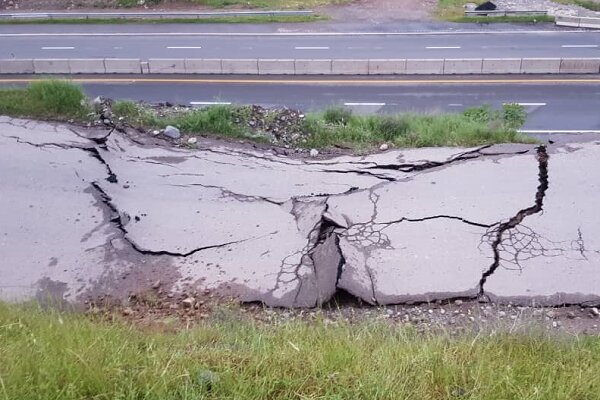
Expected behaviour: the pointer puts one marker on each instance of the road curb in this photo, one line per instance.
(255, 66)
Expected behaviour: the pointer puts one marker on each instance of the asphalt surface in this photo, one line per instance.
(182, 41)
(553, 105)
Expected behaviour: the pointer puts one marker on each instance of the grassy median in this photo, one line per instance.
(337, 126)
(50, 355)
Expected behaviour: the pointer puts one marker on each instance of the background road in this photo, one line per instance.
(552, 104)
(84, 43)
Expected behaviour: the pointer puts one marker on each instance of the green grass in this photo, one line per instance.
(451, 9)
(505, 19)
(61, 100)
(45, 99)
(49, 355)
(215, 20)
(589, 4)
(266, 4)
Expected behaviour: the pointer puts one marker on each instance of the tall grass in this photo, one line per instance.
(48, 355)
(45, 99)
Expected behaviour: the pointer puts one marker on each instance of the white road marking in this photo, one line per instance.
(364, 104)
(579, 45)
(455, 105)
(558, 131)
(442, 47)
(58, 48)
(434, 33)
(526, 104)
(209, 103)
(184, 47)
(311, 48)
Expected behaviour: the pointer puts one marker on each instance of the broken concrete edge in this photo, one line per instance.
(450, 66)
(323, 253)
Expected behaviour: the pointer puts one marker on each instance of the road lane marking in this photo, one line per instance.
(370, 82)
(311, 48)
(210, 103)
(558, 131)
(364, 104)
(183, 47)
(579, 45)
(455, 105)
(58, 48)
(442, 47)
(435, 33)
(526, 104)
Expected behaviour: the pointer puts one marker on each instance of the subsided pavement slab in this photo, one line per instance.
(100, 213)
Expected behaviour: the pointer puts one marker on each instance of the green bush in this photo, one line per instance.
(337, 115)
(514, 115)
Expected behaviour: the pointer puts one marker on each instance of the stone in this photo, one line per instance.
(501, 314)
(188, 302)
(458, 302)
(384, 147)
(551, 314)
(156, 284)
(314, 152)
(155, 132)
(192, 140)
(172, 132)
(594, 311)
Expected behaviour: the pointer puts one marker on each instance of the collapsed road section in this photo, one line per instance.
(91, 212)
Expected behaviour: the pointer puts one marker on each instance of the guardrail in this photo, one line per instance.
(150, 15)
(253, 66)
(503, 13)
(578, 22)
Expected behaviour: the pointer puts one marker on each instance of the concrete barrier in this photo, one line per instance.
(51, 66)
(425, 66)
(16, 66)
(540, 66)
(276, 67)
(240, 66)
(87, 66)
(350, 67)
(166, 65)
(123, 65)
(312, 67)
(580, 66)
(387, 67)
(567, 21)
(501, 66)
(203, 66)
(589, 23)
(463, 65)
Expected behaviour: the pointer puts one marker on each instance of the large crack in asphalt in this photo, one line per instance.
(498, 233)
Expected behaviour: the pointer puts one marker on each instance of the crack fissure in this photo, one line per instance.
(504, 227)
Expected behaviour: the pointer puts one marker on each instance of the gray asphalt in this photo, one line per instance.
(568, 106)
(152, 43)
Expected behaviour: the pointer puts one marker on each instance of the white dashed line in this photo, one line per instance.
(58, 48)
(210, 103)
(558, 131)
(455, 105)
(311, 48)
(526, 104)
(442, 47)
(183, 47)
(577, 46)
(364, 104)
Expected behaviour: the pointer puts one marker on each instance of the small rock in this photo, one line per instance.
(97, 101)
(156, 284)
(192, 140)
(537, 313)
(389, 312)
(127, 311)
(189, 302)
(502, 314)
(314, 152)
(551, 314)
(472, 319)
(595, 311)
(571, 315)
(384, 147)
(458, 302)
(555, 324)
(156, 132)
(172, 132)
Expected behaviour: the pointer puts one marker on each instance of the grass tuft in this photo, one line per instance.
(68, 356)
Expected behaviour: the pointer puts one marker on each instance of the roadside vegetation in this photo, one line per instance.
(265, 4)
(589, 4)
(211, 20)
(50, 355)
(335, 127)
(454, 11)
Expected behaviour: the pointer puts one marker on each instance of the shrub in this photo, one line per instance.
(514, 115)
(391, 128)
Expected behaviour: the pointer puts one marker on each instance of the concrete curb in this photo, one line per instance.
(253, 66)
(578, 22)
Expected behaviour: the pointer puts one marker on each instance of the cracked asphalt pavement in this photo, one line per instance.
(91, 212)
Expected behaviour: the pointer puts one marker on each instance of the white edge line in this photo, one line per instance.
(446, 33)
(558, 131)
(184, 47)
(311, 48)
(58, 48)
(442, 47)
